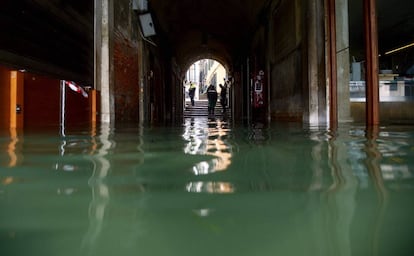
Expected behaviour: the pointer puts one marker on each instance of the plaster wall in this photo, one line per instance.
(77, 108)
(286, 62)
(41, 101)
(390, 112)
(4, 98)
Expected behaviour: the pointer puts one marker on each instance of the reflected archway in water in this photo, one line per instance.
(209, 137)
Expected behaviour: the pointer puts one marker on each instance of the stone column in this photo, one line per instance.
(343, 62)
(313, 105)
(103, 58)
(316, 108)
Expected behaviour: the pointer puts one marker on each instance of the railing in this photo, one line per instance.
(389, 91)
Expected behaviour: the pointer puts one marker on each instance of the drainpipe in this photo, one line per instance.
(142, 80)
(62, 107)
(248, 91)
(332, 65)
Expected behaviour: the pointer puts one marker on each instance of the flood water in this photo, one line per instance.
(208, 187)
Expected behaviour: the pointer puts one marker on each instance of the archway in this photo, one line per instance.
(198, 77)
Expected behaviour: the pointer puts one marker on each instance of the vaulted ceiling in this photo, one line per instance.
(49, 36)
(200, 28)
(208, 29)
(57, 36)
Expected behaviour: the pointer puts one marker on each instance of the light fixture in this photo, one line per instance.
(147, 25)
(140, 5)
(399, 49)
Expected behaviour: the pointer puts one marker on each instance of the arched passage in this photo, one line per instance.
(269, 40)
(199, 77)
(285, 39)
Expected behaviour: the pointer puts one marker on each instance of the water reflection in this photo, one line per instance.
(210, 187)
(11, 150)
(373, 165)
(11, 158)
(341, 199)
(278, 189)
(209, 137)
(100, 190)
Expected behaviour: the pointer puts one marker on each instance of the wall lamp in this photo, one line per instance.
(147, 25)
(145, 18)
(140, 5)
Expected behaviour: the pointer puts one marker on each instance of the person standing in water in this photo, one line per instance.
(191, 92)
(223, 97)
(212, 99)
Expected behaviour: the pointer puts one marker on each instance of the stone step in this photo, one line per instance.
(200, 108)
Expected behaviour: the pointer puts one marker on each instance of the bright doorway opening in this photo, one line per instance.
(200, 75)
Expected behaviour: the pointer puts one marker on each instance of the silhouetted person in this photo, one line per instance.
(223, 97)
(191, 92)
(212, 99)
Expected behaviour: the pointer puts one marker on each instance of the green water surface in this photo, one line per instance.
(207, 187)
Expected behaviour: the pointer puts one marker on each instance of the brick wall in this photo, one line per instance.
(126, 82)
